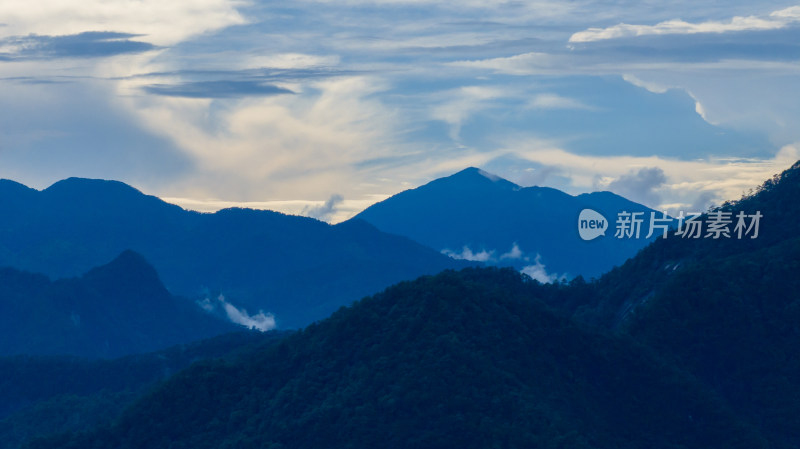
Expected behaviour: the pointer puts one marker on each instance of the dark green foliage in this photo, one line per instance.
(735, 324)
(610, 301)
(49, 395)
(693, 344)
(463, 360)
(728, 311)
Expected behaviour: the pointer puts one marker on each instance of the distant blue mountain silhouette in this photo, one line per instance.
(298, 268)
(491, 217)
(113, 310)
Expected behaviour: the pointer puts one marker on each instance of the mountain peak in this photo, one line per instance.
(471, 171)
(76, 182)
(131, 269)
(106, 194)
(8, 184)
(92, 188)
(473, 176)
(16, 193)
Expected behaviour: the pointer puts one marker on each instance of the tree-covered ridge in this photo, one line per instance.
(693, 343)
(50, 395)
(726, 310)
(616, 296)
(462, 359)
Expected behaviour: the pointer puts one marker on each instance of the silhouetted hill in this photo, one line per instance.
(726, 310)
(298, 268)
(703, 354)
(618, 293)
(481, 212)
(113, 310)
(467, 360)
(51, 395)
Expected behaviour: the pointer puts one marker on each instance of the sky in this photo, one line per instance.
(323, 107)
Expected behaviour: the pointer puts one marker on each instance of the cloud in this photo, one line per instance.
(325, 211)
(488, 256)
(538, 272)
(343, 210)
(216, 89)
(246, 81)
(513, 253)
(554, 101)
(291, 61)
(776, 20)
(650, 86)
(640, 185)
(275, 147)
(467, 254)
(162, 22)
(459, 104)
(261, 321)
(704, 201)
(55, 129)
(387, 97)
(532, 63)
(90, 44)
(730, 178)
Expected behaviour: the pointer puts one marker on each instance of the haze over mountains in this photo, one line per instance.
(297, 268)
(693, 343)
(466, 360)
(479, 216)
(117, 309)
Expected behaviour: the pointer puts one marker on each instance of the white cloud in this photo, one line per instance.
(650, 86)
(513, 253)
(740, 94)
(459, 104)
(325, 210)
(280, 147)
(533, 63)
(343, 210)
(161, 22)
(746, 100)
(348, 134)
(776, 20)
(488, 256)
(467, 254)
(290, 61)
(539, 272)
(554, 101)
(684, 181)
(261, 321)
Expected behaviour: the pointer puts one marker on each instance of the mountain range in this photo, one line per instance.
(462, 360)
(691, 343)
(298, 269)
(295, 268)
(479, 216)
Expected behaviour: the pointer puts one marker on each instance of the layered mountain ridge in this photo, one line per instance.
(476, 215)
(297, 268)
